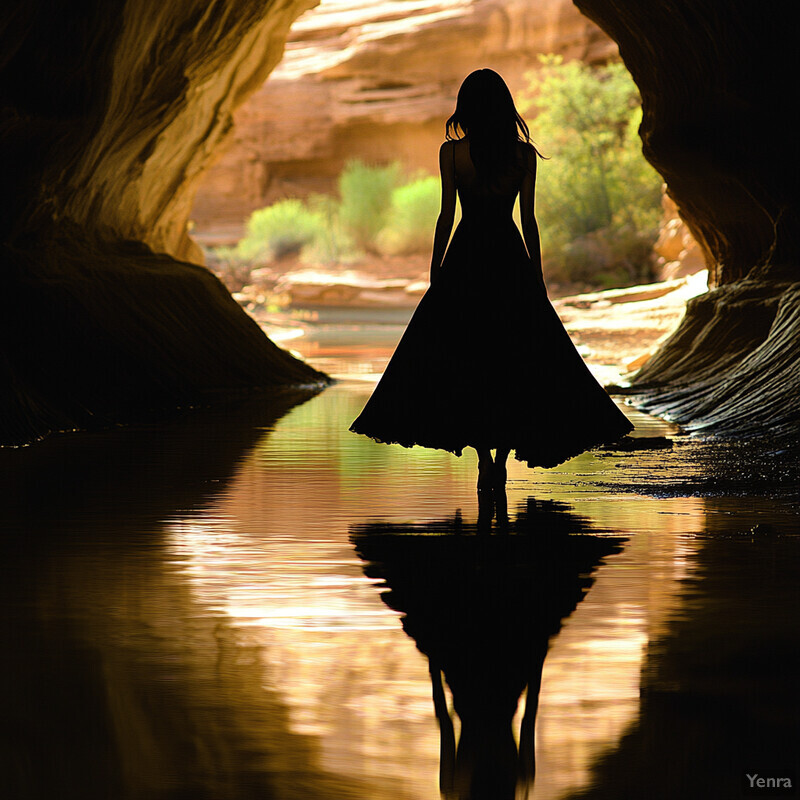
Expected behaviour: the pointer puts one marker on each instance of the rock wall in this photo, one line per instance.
(717, 124)
(109, 117)
(716, 121)
(375, 81)
(677, 252)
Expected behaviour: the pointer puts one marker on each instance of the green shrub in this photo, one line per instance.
(597, 185)
(365, 193)
(608, 257)
(412, 217)
(332, 244)
(279, 230)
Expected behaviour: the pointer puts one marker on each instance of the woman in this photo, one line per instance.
(485, 361)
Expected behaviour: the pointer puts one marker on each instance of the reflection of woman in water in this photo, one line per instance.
(483, 610)
(485, 361)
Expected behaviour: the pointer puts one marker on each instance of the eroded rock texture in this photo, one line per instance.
(111, 111)
(375, 81)
(719, 126)
(109, 115)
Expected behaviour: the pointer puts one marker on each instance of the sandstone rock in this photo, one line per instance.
(375, 81)
(109, 117)
(353, 289)
(731, 367)
(678, 254)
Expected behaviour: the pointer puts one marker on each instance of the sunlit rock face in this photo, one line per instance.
(719, 127)
(109, 117)
(376, 81)
(677, 252)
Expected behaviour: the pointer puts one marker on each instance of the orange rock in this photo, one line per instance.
(376, 81)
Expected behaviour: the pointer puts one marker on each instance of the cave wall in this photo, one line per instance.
(719, 124)
(111, 115)
(718, 121)
(110, 111)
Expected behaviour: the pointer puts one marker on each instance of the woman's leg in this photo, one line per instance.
(485, 468)
(500, 472)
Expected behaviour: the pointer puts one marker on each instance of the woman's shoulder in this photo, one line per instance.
(527, 155)
(449, 145)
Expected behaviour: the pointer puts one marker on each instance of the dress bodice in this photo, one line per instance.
(482, 199)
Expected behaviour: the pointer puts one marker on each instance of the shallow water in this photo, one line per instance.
(195, 610)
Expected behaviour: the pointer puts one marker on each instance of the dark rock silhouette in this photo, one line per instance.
(116, 333)
(709, 73)
(482, 607)
(110, 116)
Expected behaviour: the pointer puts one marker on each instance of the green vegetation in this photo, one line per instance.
(598, 200)
(366, 196)
(412, 217)
(279, 230)
(377, 211)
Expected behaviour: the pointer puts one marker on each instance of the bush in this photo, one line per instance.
(284, 228)
(609, 257)
(332, 244)
(597, 184)
(365, 198)
(412, 217)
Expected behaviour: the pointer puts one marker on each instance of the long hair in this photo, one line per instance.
(485, 113)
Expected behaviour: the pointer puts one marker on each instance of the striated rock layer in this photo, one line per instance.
(733, 366)
(375, 81)
(718, 125)
(109, 117)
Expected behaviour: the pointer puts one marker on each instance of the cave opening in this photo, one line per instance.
(99, 194)
(337, 98)
(185, 612)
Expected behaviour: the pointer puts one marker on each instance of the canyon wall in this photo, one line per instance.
(375, 81)
(109, 116)
(719, 127)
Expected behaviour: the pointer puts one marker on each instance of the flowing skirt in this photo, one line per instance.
(485, 362)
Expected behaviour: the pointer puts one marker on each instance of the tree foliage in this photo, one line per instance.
(598, 200)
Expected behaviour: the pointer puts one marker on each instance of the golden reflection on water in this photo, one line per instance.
(272, 554)
(187, 614)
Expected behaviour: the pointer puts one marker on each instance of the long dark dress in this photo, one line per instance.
(485, 361)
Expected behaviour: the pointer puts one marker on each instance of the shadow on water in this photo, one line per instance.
(116, 683)
(482, 605)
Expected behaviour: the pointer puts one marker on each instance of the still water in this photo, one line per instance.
(254, 603)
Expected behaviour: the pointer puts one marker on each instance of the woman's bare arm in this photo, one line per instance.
(530, 228)
(444, 224)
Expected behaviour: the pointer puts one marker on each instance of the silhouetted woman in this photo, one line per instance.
(485, 361)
